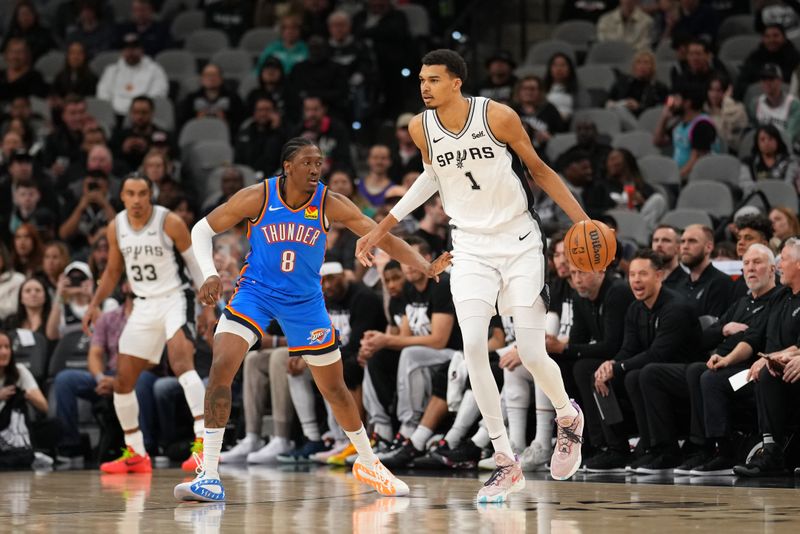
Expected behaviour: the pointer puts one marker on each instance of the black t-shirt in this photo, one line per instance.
(562, 297)
(711, 293)
(359, 310)
(397, 309)
(753, 312)
(783, 323)
(676, 279)
(420, 307)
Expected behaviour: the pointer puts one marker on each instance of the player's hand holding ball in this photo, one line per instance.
(590, 246)
(210, 291)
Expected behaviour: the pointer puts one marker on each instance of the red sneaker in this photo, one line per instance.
(191, 463)
(129, 462)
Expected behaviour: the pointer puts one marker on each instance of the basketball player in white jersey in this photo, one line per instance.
(471, 149)
(152, 245)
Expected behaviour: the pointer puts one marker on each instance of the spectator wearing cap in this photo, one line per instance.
(692, 132)
(89, 28)
(260, 139)
(153, 34)
(132, 142)
(329, 133)
(774, 106)
(91, 211)
(73, 294)
(10, 282)
(626, 23)
(213, 99)
(290, 49)
(132, 75)
(774, 48)
(406, 157)
(234, 17)
(19, 78)
(500, 80)
(320, 75)
(376, 183)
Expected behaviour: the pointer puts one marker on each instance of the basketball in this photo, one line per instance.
(590, 246)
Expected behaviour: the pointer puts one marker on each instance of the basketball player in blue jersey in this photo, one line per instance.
(471, 149)
(289, 217)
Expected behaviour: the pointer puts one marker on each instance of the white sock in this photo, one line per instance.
(544, 420)
(251, 437)
(481, 438)
(465, 417)
(360, 441)
(384, 430)
(195, 392)
(212, 445)
(768, 439)
(127, 407)
(406, 429)
(476, 354)
(302, 395)
(420, 437)
(517, 426)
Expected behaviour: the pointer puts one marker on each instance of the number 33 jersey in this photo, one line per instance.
(152, 264)
(481, 182)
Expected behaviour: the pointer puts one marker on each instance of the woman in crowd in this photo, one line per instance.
(784, 225)
(25, 24)
(561, 84)
(76, 77)
(33, 307)
(771, 159)
(640, 90)
(55, 259)
(729, 116)
(28, 251)
(10, 282)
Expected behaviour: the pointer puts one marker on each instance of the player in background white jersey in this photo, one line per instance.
(469, 148)
(153, 246)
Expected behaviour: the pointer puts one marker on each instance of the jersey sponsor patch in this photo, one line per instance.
(318, 335)
(312, 212)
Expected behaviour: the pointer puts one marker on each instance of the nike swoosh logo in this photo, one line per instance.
(437, 140)
(524, 236)
(275, 208)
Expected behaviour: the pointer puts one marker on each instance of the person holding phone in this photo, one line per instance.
(88, 213)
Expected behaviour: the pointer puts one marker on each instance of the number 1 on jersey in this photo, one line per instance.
(287, 261)
(475, 186)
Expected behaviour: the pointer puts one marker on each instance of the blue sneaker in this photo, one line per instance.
(303, 454)
(202, 488)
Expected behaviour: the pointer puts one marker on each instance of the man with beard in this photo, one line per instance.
(691, 132)
(666, 243)
(707, 288)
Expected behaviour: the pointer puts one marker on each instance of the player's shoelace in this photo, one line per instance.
(567, 436)
(498, 474)
(201, 468)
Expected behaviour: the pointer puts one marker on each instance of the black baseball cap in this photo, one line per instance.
(131, 40)
(770, 71)
(20, 154)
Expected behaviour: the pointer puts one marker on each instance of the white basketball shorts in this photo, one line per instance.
(154, 321)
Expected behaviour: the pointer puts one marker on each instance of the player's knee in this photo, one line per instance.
(123, 384)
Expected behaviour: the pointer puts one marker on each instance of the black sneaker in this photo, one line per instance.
(660, 464)
(641, 460)
(609, 461)
(391, 446)
(717, 466)
(431, 460)
(465, 456)
(766, 462)
(694, 461)
(402, 456)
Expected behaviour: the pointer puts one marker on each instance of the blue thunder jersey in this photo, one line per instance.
(287, 246)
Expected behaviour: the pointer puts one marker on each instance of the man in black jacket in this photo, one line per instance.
(260, 139)
(659, 327)
(707, 288)
(673, 387)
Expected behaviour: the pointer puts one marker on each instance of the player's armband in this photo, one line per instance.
(420, 191)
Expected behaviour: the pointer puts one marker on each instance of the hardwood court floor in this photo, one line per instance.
(323, 500)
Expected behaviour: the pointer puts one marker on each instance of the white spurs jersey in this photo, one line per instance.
(152, 264)
(479, 188)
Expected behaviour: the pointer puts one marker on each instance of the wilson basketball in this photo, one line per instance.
(590, 246)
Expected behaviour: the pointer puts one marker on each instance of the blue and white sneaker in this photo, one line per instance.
(202, 488)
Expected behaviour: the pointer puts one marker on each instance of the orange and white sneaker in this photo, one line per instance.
(196, 458)
(380, 478)
(129, 462)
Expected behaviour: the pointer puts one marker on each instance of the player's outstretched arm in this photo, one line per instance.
(507, 128)
(341, 209)
(246, 203)
(423, 188)
(177, 230)
(108, 279)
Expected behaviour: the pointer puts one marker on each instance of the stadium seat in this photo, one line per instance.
(648, 120)
(255, 40)
(178, 64)
(70, 353)
(541, 52)
(722, 168)
(658, 169)
(102, 60)
(630, 225)
(103, 113)
(617, 54)
(186, 23)
(559, 144)
(681, 218)
(734, 25)
(579, 33)
(172, 8)
(779, 193)
(639, 143)
(122, 10)
(246, 84)
(50, 64)
(746, 144)
(213, 187)
(595, 77)
(714, 198)
(202, 157)
(234, 63)
(205, 43)
(530, 70)
(737, 48)
(607, 121)
(665, 52)
(419, 23)
(664, 71)
(188, 84)
(164, 113)
(203, 129)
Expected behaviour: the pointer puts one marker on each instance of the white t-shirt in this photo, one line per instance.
(25, 382)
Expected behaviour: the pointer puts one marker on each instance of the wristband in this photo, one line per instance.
(98, 377)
